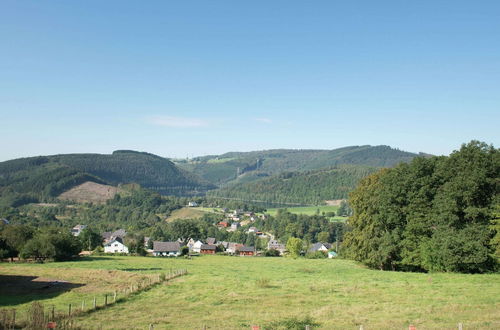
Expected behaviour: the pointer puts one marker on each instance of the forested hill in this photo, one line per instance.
(41, 178)
(310, 187)
(254, 165)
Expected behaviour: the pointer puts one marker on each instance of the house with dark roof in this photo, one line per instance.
(211, 240)
(320, 247)
(275, 245)
(232, 247)
(246, 251)
(109, 236)
(77, 230)
(224, 244)
(208, 249)
(166, 249)
(115, 245)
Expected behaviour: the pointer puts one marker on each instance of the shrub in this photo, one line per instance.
(263, 283)
(293, 323)
(316, 255)
(272, 253)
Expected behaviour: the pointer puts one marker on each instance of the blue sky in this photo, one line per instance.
(190, 78)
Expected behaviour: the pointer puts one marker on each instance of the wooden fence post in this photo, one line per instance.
(83, 305)
(95, 302)
(460, 326)
(105, 299)
(114, 298)
(53, 312)
(151, 327)
(69, 309)
(308, 327)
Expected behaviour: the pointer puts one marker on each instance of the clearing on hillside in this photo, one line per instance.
(186, 213)
(90, 192)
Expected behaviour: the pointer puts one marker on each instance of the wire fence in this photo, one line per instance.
(39, 316)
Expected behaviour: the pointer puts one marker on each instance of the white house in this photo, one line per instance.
(115, 246)
(77, 230)
(169, 249)
(320, 247)
(233, 247)
(192, 204)
(252, 230)
(196, 247)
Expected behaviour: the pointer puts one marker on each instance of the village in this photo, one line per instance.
(114, 242)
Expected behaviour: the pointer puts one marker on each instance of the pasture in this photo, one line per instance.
(310, 210)
(186, 213)
(223, 292)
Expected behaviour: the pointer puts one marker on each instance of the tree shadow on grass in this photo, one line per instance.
(89, 258)
(20, 289)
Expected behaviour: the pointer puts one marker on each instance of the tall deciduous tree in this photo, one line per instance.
(294, 246)
(432, 214)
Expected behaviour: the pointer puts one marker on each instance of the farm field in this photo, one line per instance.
(310, 210)
(223, 292)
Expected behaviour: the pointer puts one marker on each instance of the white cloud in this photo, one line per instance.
(179, 122)
(264, 120)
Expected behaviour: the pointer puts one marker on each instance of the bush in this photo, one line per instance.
(272, 253)
(292, 323)
(184, 251)
(316, 255)
(263, 283)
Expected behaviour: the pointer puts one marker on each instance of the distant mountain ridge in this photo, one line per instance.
(229, 167)
(302, 188)
(41, 178)
(44, 178)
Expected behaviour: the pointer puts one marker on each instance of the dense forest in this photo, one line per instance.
(42, 179)
(125, 166)
(302, 188)
(433, 214)
(134, 208)
(36, 179)
(249, 166)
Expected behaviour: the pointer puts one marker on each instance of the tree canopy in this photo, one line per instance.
(433, 214)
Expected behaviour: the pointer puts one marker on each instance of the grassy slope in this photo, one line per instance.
(186, 213)
(309, 210)
(223, 293)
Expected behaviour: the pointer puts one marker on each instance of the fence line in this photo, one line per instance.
(37, 317)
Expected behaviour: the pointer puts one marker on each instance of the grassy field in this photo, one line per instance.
(186, 213)
(310, 210)
(232, 292)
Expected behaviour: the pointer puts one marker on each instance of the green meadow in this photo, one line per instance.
(222, 292)
(310, 210)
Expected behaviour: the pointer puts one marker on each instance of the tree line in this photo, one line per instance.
(432, 214)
